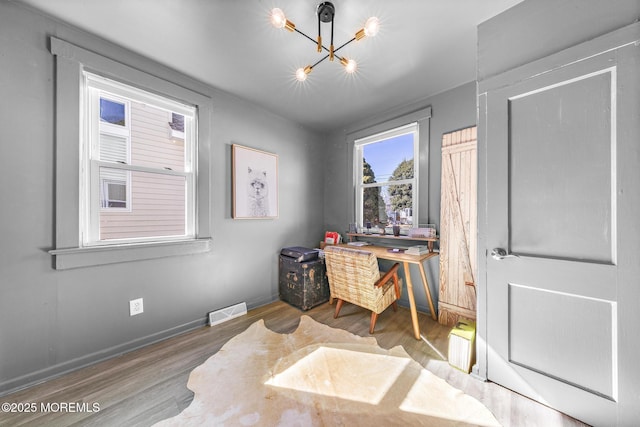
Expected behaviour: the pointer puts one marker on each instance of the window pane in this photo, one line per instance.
(374, 207)
(117, 195)
(156, 208)
(152, 142)
(399, 202)
(388, 204)
(112, 112)
(388, 160)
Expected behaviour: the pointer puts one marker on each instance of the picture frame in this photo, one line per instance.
(254, 183)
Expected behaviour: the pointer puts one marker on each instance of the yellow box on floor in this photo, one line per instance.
(462, 345)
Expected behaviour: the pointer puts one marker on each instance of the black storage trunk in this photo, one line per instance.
(303, 284)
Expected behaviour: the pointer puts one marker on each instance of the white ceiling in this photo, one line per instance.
(424, 47)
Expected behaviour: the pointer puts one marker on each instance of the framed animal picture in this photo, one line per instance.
(255, 183)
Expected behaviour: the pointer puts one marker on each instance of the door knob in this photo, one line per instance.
(500, 254)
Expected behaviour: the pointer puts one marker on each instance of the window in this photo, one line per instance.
(113, 194)
(139, 174)
(114, 143)
(132, 157)
(177, 125)
(113, 112)
(386, 178)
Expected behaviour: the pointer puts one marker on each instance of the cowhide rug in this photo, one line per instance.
(320, 376)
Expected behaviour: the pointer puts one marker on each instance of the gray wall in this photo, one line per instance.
(450, 110)
(534, 29)
(52, 321)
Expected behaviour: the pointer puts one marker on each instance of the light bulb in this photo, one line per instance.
(350, 66)
(371, 26)
(302, 73)
(278, 19)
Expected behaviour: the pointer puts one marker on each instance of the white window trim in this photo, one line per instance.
(71, 62)
(358, 146)
(177, 134)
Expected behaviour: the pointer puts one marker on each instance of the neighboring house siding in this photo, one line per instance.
(157, 205)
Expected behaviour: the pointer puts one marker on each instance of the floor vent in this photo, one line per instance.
(228, 313)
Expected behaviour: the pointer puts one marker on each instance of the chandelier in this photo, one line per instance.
(326, 13)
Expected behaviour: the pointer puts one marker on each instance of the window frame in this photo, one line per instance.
(71, 62)
(391, 120)
(95, 88)
(358, 146)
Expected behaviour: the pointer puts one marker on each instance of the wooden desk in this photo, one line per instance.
(382, 252)
(401, 239)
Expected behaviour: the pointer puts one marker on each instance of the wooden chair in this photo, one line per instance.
(354, 277)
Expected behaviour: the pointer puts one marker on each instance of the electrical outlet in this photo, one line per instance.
(135, 307)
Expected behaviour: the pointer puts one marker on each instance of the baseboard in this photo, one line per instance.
(33, 378)
(251, 304)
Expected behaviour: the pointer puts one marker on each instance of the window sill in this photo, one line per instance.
(65, 259)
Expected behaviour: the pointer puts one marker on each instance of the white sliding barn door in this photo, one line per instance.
(561, 187)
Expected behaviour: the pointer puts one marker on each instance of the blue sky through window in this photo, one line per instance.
(386, 155)
(112, 112)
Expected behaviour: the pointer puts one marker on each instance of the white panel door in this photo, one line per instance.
(559, 151)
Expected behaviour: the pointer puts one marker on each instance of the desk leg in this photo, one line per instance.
(412, 301)
(428, 292)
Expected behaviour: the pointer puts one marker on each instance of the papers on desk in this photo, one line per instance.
(396, 250)
(358, 243)
(417, 250)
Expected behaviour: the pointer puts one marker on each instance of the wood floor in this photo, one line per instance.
(148, 385)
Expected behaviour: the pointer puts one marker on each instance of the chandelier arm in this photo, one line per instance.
(343, 45)
(315, 42)
(325, 57)
(301, 33)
